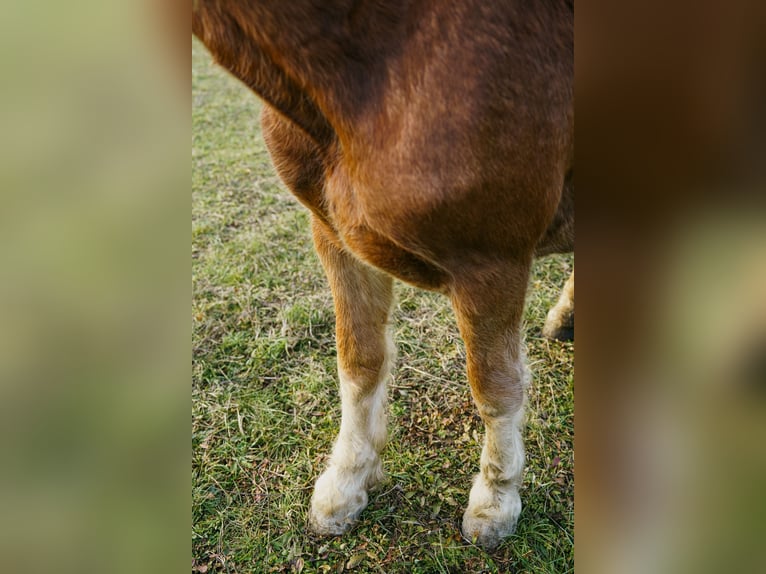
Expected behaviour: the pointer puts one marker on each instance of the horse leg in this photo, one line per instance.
(489, 306)
(560, 321)
(363, 298)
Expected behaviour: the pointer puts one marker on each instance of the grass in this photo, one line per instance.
(265, 404)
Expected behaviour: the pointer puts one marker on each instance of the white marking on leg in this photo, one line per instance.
(494, 504)
(340, 493)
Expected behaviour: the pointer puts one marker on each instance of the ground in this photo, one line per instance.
(265, 406)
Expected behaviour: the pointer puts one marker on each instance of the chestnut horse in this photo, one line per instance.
(433, 142)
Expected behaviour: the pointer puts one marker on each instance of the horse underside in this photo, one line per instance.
(426, 245)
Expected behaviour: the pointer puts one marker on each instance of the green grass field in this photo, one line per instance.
(265, 404)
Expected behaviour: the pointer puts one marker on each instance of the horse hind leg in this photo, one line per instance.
(560, 321)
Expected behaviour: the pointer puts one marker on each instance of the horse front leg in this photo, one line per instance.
(488, 304)
(363, 298)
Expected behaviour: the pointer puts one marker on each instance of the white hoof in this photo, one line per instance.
(491, 515)
(338, 500)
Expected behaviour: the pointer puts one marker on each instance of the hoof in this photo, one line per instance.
(330, 524)
(487, 525)
(337, 503)
(562, 333)
(559, 327)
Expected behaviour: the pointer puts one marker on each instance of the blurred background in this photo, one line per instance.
(671, 250)
(94, 288)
